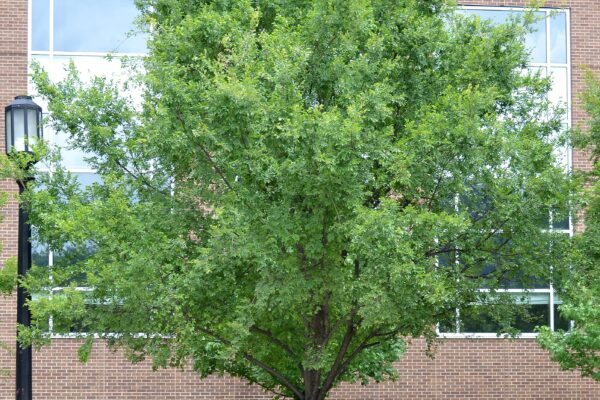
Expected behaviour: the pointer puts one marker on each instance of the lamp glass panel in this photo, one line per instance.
(8, 120)
(40, 121)
(19, 129)
(32, 127)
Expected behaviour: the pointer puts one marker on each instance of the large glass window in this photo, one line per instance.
(83, 32)
(549, 56)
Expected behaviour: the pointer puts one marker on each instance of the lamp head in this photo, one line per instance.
(23, 124)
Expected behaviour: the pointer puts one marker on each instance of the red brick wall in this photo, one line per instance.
(13, 81)
(462, 369)
(477, 369)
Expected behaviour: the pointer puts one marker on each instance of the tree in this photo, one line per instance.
(307, 184)
(579, 287)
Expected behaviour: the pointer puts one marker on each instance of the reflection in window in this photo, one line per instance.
(531, 310)
(61, 262)
(87, 179)
(558, 92)
(71, 157)
(525, 319)
(77, 24)
(558, 38)
(97, 318)
(86, 26)
(39, 251)
(560, 322)
(535, 41)
(40, 25)
(64, 261)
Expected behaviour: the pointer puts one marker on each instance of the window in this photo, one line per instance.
(84, 32)
(548, 44)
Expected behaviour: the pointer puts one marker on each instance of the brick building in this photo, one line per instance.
(473, 365)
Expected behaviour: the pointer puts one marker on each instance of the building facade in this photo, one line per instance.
(469, 364)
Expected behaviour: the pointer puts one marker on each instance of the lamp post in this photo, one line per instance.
(23, 127)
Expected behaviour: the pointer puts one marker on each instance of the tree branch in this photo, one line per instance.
(139, 176)
(348, 336)
(343, 366)
(206, 153)
(269, 335)
(275, 374)
(278, 376)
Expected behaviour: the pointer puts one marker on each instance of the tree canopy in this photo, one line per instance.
(304, 185)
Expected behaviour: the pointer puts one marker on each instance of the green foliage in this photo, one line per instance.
(8, 276)
(580, 286)
(279, 206)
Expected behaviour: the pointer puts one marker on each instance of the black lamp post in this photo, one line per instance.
(23, 127)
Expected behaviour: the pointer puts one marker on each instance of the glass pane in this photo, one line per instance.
(90, 67)
(32, 127)
(63, 322)
(560, 220)
(518, 281)
(558, 92)
(562, 152)
(537, 70)
(39, 251)
(56, 71)
(494, 16)
(558, 38)
(559, 321)
(19, 129)
(447, 256)
(98, 318)
(475, 200)
(477, 320)
(40, 121)
(523, 317)
(539, 315)
(77, 24)
(448, 323)
(535, 41)
(40, 25)
(71, 158)
(87, 179)
(8, 122)
(64, 264)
